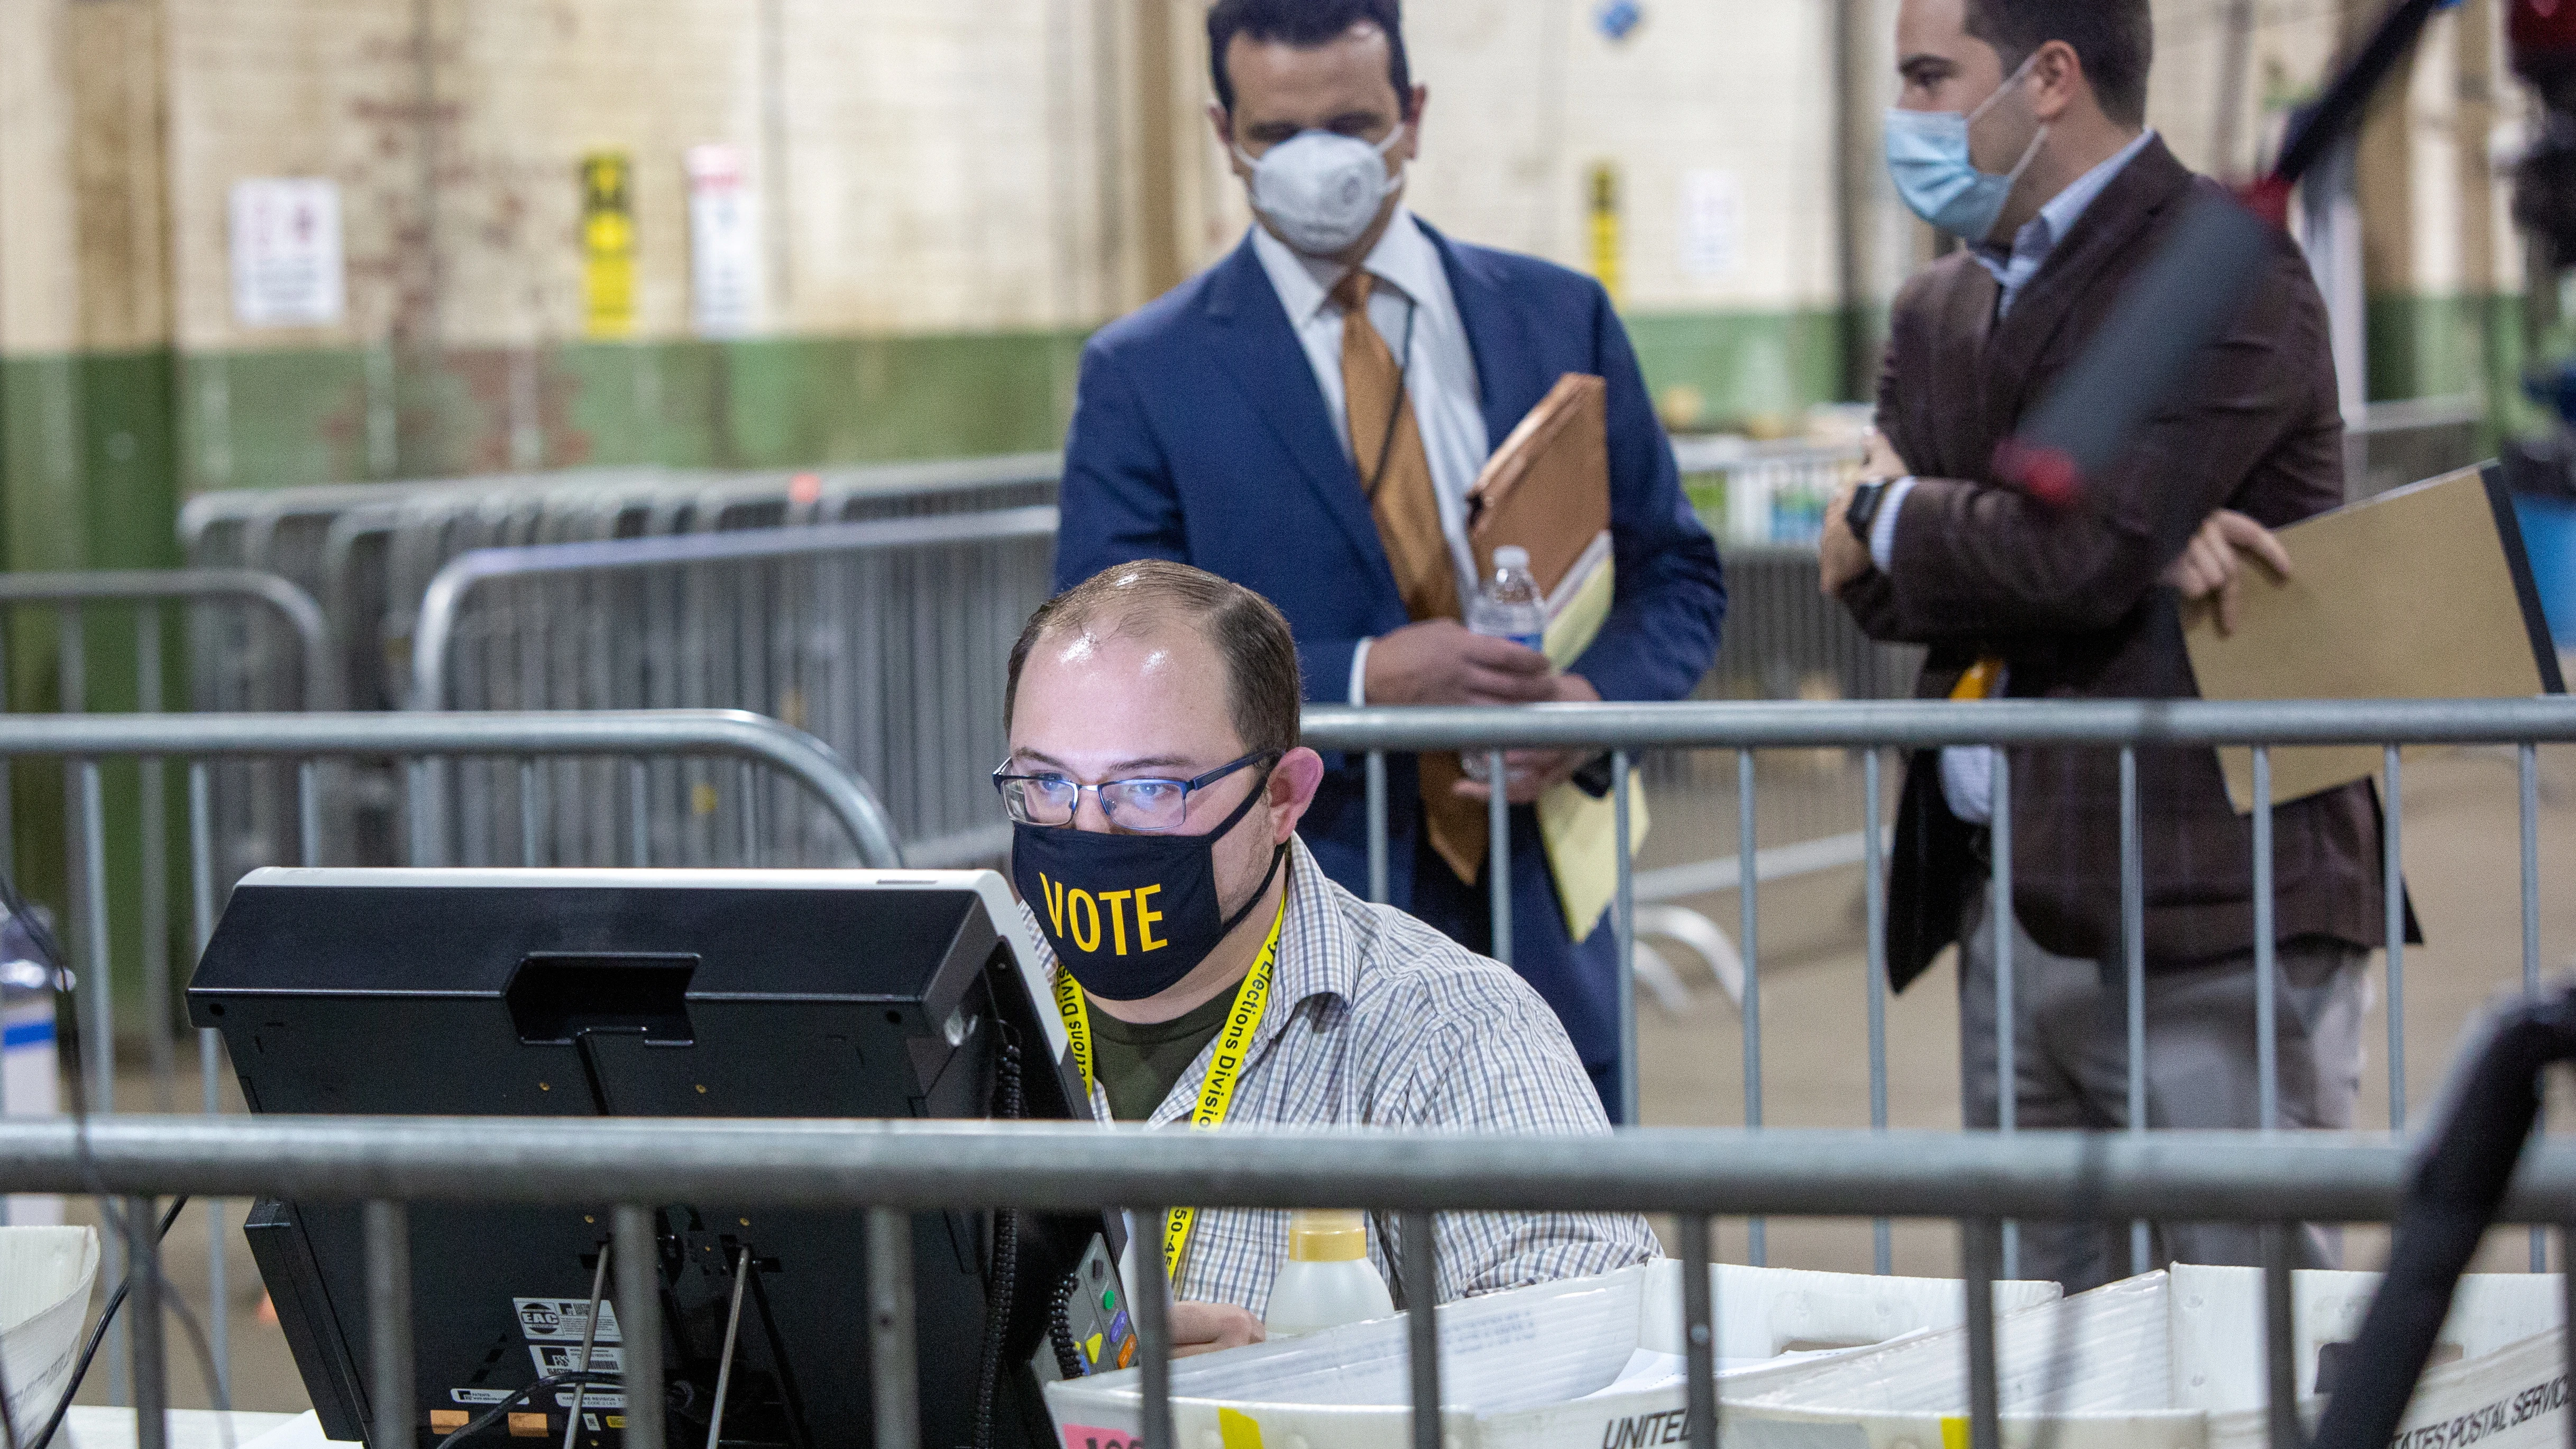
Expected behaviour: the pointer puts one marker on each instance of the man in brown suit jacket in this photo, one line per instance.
(2019, 598)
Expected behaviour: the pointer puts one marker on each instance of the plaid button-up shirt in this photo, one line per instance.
(1377, 1020)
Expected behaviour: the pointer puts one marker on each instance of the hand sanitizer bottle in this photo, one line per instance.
(1327, 1280)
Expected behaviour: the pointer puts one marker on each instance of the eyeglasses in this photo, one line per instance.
(1153, 807)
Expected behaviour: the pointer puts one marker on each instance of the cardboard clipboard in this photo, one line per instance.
(2423, 592)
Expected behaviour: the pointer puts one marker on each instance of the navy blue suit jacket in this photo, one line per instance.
(1199, 434)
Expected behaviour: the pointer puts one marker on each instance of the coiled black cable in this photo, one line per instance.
(1007, 1104)
(1068, 1357)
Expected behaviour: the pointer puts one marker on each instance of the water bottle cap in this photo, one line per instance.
(1327, 1235)
(1511, 556)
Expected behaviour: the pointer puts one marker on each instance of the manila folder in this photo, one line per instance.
(2420, 593)
(1547, 488)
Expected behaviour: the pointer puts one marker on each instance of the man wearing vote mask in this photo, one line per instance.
(1306, 417)
(1210, 973)
(2021, 131)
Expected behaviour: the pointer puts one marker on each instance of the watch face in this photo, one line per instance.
(1864, 507)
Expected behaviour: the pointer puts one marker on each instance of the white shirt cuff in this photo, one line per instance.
(1359, 672)
(1882, 528)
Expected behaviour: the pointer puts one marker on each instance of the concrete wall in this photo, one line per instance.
(954, 196)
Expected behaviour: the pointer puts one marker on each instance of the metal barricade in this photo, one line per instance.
(1783, 640)
(884, 1172)
(609, 743)
(1870, 729)
(367, 551)
(890, 640)
(253, 641)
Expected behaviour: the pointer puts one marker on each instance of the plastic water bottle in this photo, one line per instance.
(1507, 606)
(1327, 1280)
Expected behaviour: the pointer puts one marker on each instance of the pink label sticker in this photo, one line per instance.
(1083, 1436)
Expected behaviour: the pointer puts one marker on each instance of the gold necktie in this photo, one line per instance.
(1397, 474)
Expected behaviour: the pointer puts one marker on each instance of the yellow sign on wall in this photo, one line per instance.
(608, 244)
(1605, 229)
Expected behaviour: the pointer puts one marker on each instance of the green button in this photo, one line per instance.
(1108, 1300)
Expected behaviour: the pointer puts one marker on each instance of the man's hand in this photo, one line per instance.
(1208, 1327)
(1441, 661)
(1532, 773)
(1840, 555)
(2210, 565)
(1840, 551)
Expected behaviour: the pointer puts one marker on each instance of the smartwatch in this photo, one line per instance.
(1863, 510)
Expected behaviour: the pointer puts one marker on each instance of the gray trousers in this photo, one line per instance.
(2071, 1070)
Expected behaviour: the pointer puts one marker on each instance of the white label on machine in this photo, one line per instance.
(564, 1358)
(561, 1320)
(481, 1396)
(592, 1399)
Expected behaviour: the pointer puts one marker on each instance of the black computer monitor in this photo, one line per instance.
(663, 993)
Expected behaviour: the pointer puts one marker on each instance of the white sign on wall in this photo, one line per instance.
(1712, 225)
(286, 252)
(725, 292)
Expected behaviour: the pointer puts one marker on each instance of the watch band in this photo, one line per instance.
(1863, 511)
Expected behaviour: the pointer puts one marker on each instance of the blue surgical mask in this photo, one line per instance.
(1927, 158)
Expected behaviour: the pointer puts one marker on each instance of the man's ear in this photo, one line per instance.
(1411, 146)
(1293, 783)
(1223, 121)
(2060, 74)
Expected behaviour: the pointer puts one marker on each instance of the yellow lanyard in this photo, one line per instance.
(1224, 1070)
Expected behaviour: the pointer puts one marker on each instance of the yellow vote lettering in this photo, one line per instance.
(1116, 901)
(1077, 905)
(1145, 919)
(1054, 903)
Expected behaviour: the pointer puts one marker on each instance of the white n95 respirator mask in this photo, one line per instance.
(1321, 190)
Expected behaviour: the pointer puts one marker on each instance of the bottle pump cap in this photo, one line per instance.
(1327, 1235)
(1511, 556)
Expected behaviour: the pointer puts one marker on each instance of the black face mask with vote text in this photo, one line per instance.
(1129, 915)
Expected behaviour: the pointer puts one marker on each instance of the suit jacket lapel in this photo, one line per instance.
(2121, 218)
(1259, 350)
(1508, 378)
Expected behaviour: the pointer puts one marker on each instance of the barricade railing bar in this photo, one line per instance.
(456, 581)
(1625, 730)
(884, 1170)
(202, 742)
(234, 661)
(367, 550)
(145, 589)
(889, 639)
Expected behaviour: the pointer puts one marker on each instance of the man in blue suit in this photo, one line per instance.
(1306, 418)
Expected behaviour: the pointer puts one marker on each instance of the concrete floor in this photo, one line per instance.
(2462, 850)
